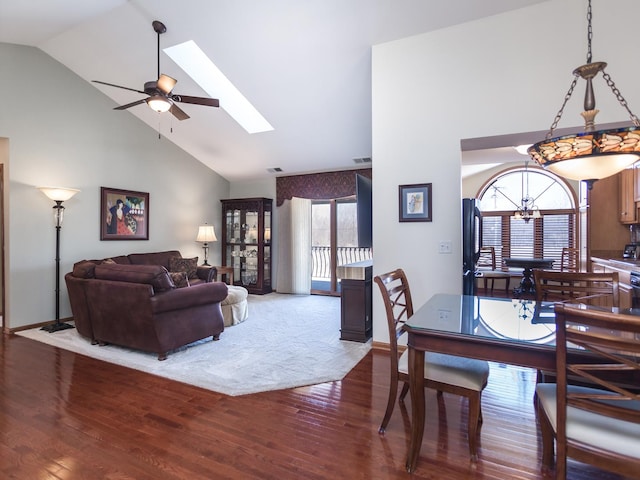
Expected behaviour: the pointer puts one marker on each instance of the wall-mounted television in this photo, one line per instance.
(364, 205)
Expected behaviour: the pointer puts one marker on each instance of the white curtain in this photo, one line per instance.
(294, 246)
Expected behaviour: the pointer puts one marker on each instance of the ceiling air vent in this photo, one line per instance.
(362, 160)
(274, 170)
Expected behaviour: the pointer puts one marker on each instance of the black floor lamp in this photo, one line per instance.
(58, 195)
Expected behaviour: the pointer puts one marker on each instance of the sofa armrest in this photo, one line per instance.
(207, 273)
(180, 298)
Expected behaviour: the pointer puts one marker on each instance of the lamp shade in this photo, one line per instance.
(590, 155)
(159, 103)
(58, 194)
(206, 233)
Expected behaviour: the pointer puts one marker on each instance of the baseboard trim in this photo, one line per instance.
(35, 325)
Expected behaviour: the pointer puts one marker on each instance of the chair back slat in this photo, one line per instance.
(396, 296)
(487, 258)
(570, 260)
(577, 287)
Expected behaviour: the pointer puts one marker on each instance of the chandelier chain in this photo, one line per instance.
(605, 75)
(561, 111)
(589, 33)
(620, 98)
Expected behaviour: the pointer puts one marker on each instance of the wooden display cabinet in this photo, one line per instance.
(246, 242)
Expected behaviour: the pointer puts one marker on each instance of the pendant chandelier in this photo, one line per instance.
(589, 155)
(527, 208)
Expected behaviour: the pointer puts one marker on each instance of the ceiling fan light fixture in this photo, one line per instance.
(159, 103)
(589, 155)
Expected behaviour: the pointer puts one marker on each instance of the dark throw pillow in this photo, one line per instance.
(187, 265)
(179, 279)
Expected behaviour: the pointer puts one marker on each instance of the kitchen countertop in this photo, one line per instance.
(618, 262)
(355, 271)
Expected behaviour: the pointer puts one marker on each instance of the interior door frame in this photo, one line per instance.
(3, 258)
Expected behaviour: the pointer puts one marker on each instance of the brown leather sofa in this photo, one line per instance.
(137, 305)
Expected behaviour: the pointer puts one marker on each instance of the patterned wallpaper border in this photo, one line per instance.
(319, 186)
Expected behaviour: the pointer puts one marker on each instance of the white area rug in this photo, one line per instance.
(287, 341)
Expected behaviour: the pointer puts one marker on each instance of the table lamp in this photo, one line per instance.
(206, 234)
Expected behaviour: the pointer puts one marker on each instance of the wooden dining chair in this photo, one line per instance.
(487, 270)
(445, 373)
(601, 289)
(600, 425)
(577, 287)
(570, 260)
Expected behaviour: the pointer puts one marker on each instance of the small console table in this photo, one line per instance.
(227, 272)
(355, 303)
(527, 264)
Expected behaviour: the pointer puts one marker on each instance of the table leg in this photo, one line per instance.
(416, 386)
(526, 284)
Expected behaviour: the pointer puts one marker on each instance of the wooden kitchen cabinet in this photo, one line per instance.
(636, 182)
(602, 230)
(627, 179)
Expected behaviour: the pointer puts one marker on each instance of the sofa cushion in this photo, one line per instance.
(187, 265)
(179, 279)
(121, 260)
(84, 269)
(153, 275)
(154, 258)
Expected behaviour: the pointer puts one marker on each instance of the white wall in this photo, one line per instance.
(63, 132)
(504, 74)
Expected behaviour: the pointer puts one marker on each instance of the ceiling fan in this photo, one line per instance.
(159, 92)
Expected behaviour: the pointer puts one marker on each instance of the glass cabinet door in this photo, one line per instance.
(267, 248)
(247, 241)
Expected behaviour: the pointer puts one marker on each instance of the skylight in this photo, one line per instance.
(204, 72)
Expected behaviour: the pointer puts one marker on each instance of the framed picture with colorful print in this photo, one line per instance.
(124, 214)
(415, 203)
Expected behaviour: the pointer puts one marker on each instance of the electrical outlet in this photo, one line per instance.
(444, 247)
(444, 315)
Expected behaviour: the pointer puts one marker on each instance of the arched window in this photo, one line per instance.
(541, 237)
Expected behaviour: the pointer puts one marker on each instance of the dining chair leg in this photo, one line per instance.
(391, 402)
(547, 439)
(473, 422)
(405, 390)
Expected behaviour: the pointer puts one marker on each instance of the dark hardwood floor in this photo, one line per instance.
(65, 416)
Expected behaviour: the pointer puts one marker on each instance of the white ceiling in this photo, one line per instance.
(305, 65)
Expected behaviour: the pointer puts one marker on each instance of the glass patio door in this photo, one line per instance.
(334, 242)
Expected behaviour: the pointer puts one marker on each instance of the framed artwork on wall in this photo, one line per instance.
(124, 214)
(415, 203)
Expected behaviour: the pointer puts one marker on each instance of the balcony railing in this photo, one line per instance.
(321, 259)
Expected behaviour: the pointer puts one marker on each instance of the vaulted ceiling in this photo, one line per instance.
(304, 64)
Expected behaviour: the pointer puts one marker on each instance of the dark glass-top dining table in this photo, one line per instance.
(527, 265)
(511, 331)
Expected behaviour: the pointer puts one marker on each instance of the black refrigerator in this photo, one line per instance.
(471, 243)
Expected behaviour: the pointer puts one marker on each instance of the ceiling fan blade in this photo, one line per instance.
(178, 112)
(165, 83)
(132, 104)
(209, 102)
(119, 86)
